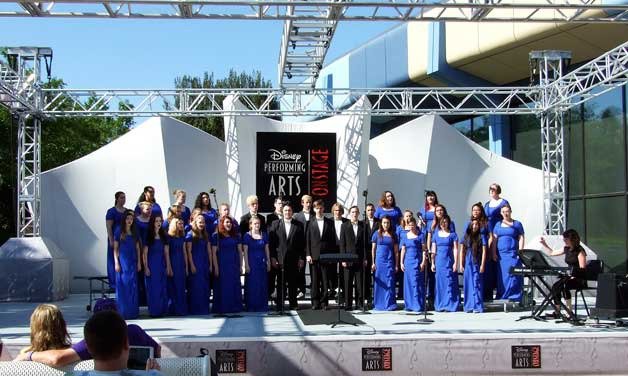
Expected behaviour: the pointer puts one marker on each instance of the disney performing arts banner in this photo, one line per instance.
(294, 164)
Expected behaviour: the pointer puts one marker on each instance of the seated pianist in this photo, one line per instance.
(576, 259)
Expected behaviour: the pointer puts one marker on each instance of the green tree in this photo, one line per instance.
(214, 125)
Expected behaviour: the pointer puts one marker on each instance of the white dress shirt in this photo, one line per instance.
(287, 223)
(320, 222)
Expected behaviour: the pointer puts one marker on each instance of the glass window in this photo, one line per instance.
(464, 127)
(575, 153)
(604, 143)
(575, 215)
(526, 146)
(606, 230)
(480, 130)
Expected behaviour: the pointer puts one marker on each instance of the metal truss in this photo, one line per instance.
(547, 68)
(16, 90)
(304, 44)
(583, 11)
(290, 102)
(28, 176)
(603, 73)
(20, 92)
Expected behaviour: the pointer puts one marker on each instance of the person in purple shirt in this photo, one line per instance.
(59, 358)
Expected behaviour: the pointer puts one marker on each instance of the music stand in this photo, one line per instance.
(337, 258)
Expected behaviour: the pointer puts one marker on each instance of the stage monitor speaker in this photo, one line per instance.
(612, 296)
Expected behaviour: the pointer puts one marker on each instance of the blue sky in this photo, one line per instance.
(91, 53)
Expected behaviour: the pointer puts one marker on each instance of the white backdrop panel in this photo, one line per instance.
(429, 154)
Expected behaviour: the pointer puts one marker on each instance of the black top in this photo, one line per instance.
(571, 256)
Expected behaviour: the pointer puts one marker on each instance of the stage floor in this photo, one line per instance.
(183, 336)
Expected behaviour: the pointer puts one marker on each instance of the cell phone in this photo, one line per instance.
(138, 356)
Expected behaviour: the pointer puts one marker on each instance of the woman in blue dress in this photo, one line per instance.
(198, 251)
(472, 263)
(508, 238)
(142, 221)
(177, 269)
(255, 247)
(385, 256)
(179, 199)
(426, 213)
(388, 207)
(126, 252)
(113, 219)
(148, 195)
(204, 203)
(402, 229)
(412, 263)
(492, 209)
(445, 265)
(228, 263)
(154, 256)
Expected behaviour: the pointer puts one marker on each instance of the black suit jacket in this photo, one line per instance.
(317, 243)
(350, 243)
(301, 218)
(270, 218)
(287, 248)
(244, 223)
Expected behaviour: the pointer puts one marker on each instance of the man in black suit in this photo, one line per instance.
(372, 225)
(319, 239)
(304, 216)
(253, 203)
(352, 240)
(338, 211)
(287, 244)
(273, 274)
(277, 214)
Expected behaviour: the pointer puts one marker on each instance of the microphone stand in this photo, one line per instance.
(425, 320)
(365, 238)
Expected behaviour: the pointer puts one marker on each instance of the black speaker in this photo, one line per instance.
(612, 296)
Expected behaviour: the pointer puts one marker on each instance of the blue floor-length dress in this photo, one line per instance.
(384, 276)
(473, 292)
(428, 217)
(156, 292)
(198, 283)
(227, 286)
(115, 217)
(177, 300)
(508, 286)
(414, 282)
(447, 292)
(126, 278)
(490, 275)
(256, 282)
(142, 232)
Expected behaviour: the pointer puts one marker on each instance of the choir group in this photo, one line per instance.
(178, 263)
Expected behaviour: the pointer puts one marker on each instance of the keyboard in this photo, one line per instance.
(550, 271)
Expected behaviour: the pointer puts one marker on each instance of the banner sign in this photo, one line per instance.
(295, 164)
(526, 356)
(231, 361)
(377, 359)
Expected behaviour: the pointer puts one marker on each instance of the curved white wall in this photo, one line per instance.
(161, 152)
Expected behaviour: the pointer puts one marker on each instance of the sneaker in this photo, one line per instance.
(301, 295)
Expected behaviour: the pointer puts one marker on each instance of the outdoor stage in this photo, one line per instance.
(455, 343)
